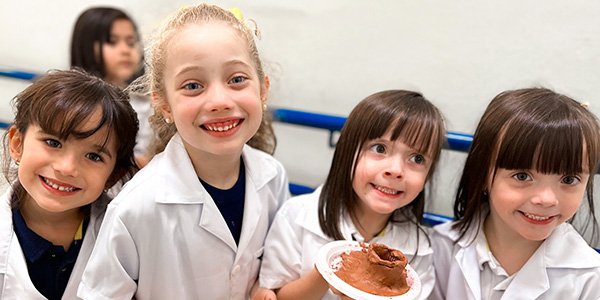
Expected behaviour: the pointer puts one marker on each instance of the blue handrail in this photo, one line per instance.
(455, 141)
(18, 74)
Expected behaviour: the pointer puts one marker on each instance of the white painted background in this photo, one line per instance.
(325, 56)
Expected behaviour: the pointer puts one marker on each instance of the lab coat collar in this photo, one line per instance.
(555, 253)
(182, 185)
(532, 280)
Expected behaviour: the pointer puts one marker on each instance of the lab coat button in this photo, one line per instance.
(236, 270)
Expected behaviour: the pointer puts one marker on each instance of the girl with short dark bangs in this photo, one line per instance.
(532, 161)
(72, 138)
(374, 193)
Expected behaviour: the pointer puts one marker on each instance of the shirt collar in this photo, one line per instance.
(485, 256)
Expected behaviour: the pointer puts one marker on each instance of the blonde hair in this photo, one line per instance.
(264, 139)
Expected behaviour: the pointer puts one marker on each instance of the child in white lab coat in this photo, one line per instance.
(72, 138)
(192, 223)
(533, 158)
(374, 193)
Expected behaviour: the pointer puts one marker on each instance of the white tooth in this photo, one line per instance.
(220, 128)
(61, 188)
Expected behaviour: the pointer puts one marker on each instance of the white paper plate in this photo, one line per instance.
(328, 257)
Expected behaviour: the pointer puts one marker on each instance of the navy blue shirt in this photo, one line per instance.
(231, 202)
(49, 266)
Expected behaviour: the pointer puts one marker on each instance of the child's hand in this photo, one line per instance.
(335, 291)
(264, 294)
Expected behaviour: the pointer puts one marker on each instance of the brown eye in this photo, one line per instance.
(378, 148)
(419, 159)
(570, 180)
(522, 176)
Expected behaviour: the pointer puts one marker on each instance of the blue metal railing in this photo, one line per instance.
(455, 141)
(17, 74)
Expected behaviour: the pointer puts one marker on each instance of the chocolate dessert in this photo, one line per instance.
(377, 270)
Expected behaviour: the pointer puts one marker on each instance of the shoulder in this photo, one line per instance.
(300, 205)
(445, 230)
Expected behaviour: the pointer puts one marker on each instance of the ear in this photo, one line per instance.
(162, 104)
(264, 91)
(15, 141)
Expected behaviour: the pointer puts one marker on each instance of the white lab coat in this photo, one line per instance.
(164, 238)
(563, 267)
(15, 282)
(295, 238)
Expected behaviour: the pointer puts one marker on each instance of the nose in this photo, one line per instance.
(67, 165)
(218, 98)
(545, 196)
(394, 168)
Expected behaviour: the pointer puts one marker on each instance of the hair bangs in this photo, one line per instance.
(70, 113)
(547, 147)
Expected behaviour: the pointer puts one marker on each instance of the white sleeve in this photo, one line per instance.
(442, 256)
(112, 270)
(423, 265)
(282, 258)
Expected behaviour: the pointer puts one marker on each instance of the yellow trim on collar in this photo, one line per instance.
(79, 233)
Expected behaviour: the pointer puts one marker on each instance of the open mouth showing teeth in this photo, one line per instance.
(386, 191)
(58, 187)
(537, 218)
(224, 126)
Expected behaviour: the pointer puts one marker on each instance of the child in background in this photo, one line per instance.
(106, 43)
(374, 193)
(192, 223)
(533, 158)
(71, 139)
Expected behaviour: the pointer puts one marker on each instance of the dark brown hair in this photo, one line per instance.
(93, 27)
(60, 101)
(533, 128)
(410, 118)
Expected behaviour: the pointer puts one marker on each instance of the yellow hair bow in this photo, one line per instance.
(237, 13)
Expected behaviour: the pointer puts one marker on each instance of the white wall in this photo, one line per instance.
(325, 56)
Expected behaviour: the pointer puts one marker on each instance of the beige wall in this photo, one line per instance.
(325, 56)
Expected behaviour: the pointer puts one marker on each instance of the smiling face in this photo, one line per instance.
(213, 90)
(121, 54)
(389, 175)
(530, 205)
(63, 175)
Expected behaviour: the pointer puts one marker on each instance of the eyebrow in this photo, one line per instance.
(229, 63)
(235, 62)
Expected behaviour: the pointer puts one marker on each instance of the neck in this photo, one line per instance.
(369, 224)
(510, 249)
(220, 171)
(59, 228)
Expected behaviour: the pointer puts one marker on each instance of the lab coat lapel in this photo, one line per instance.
(258, 174)
(253, 213)
(467, 261)
(182, 186)
(532, 280)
